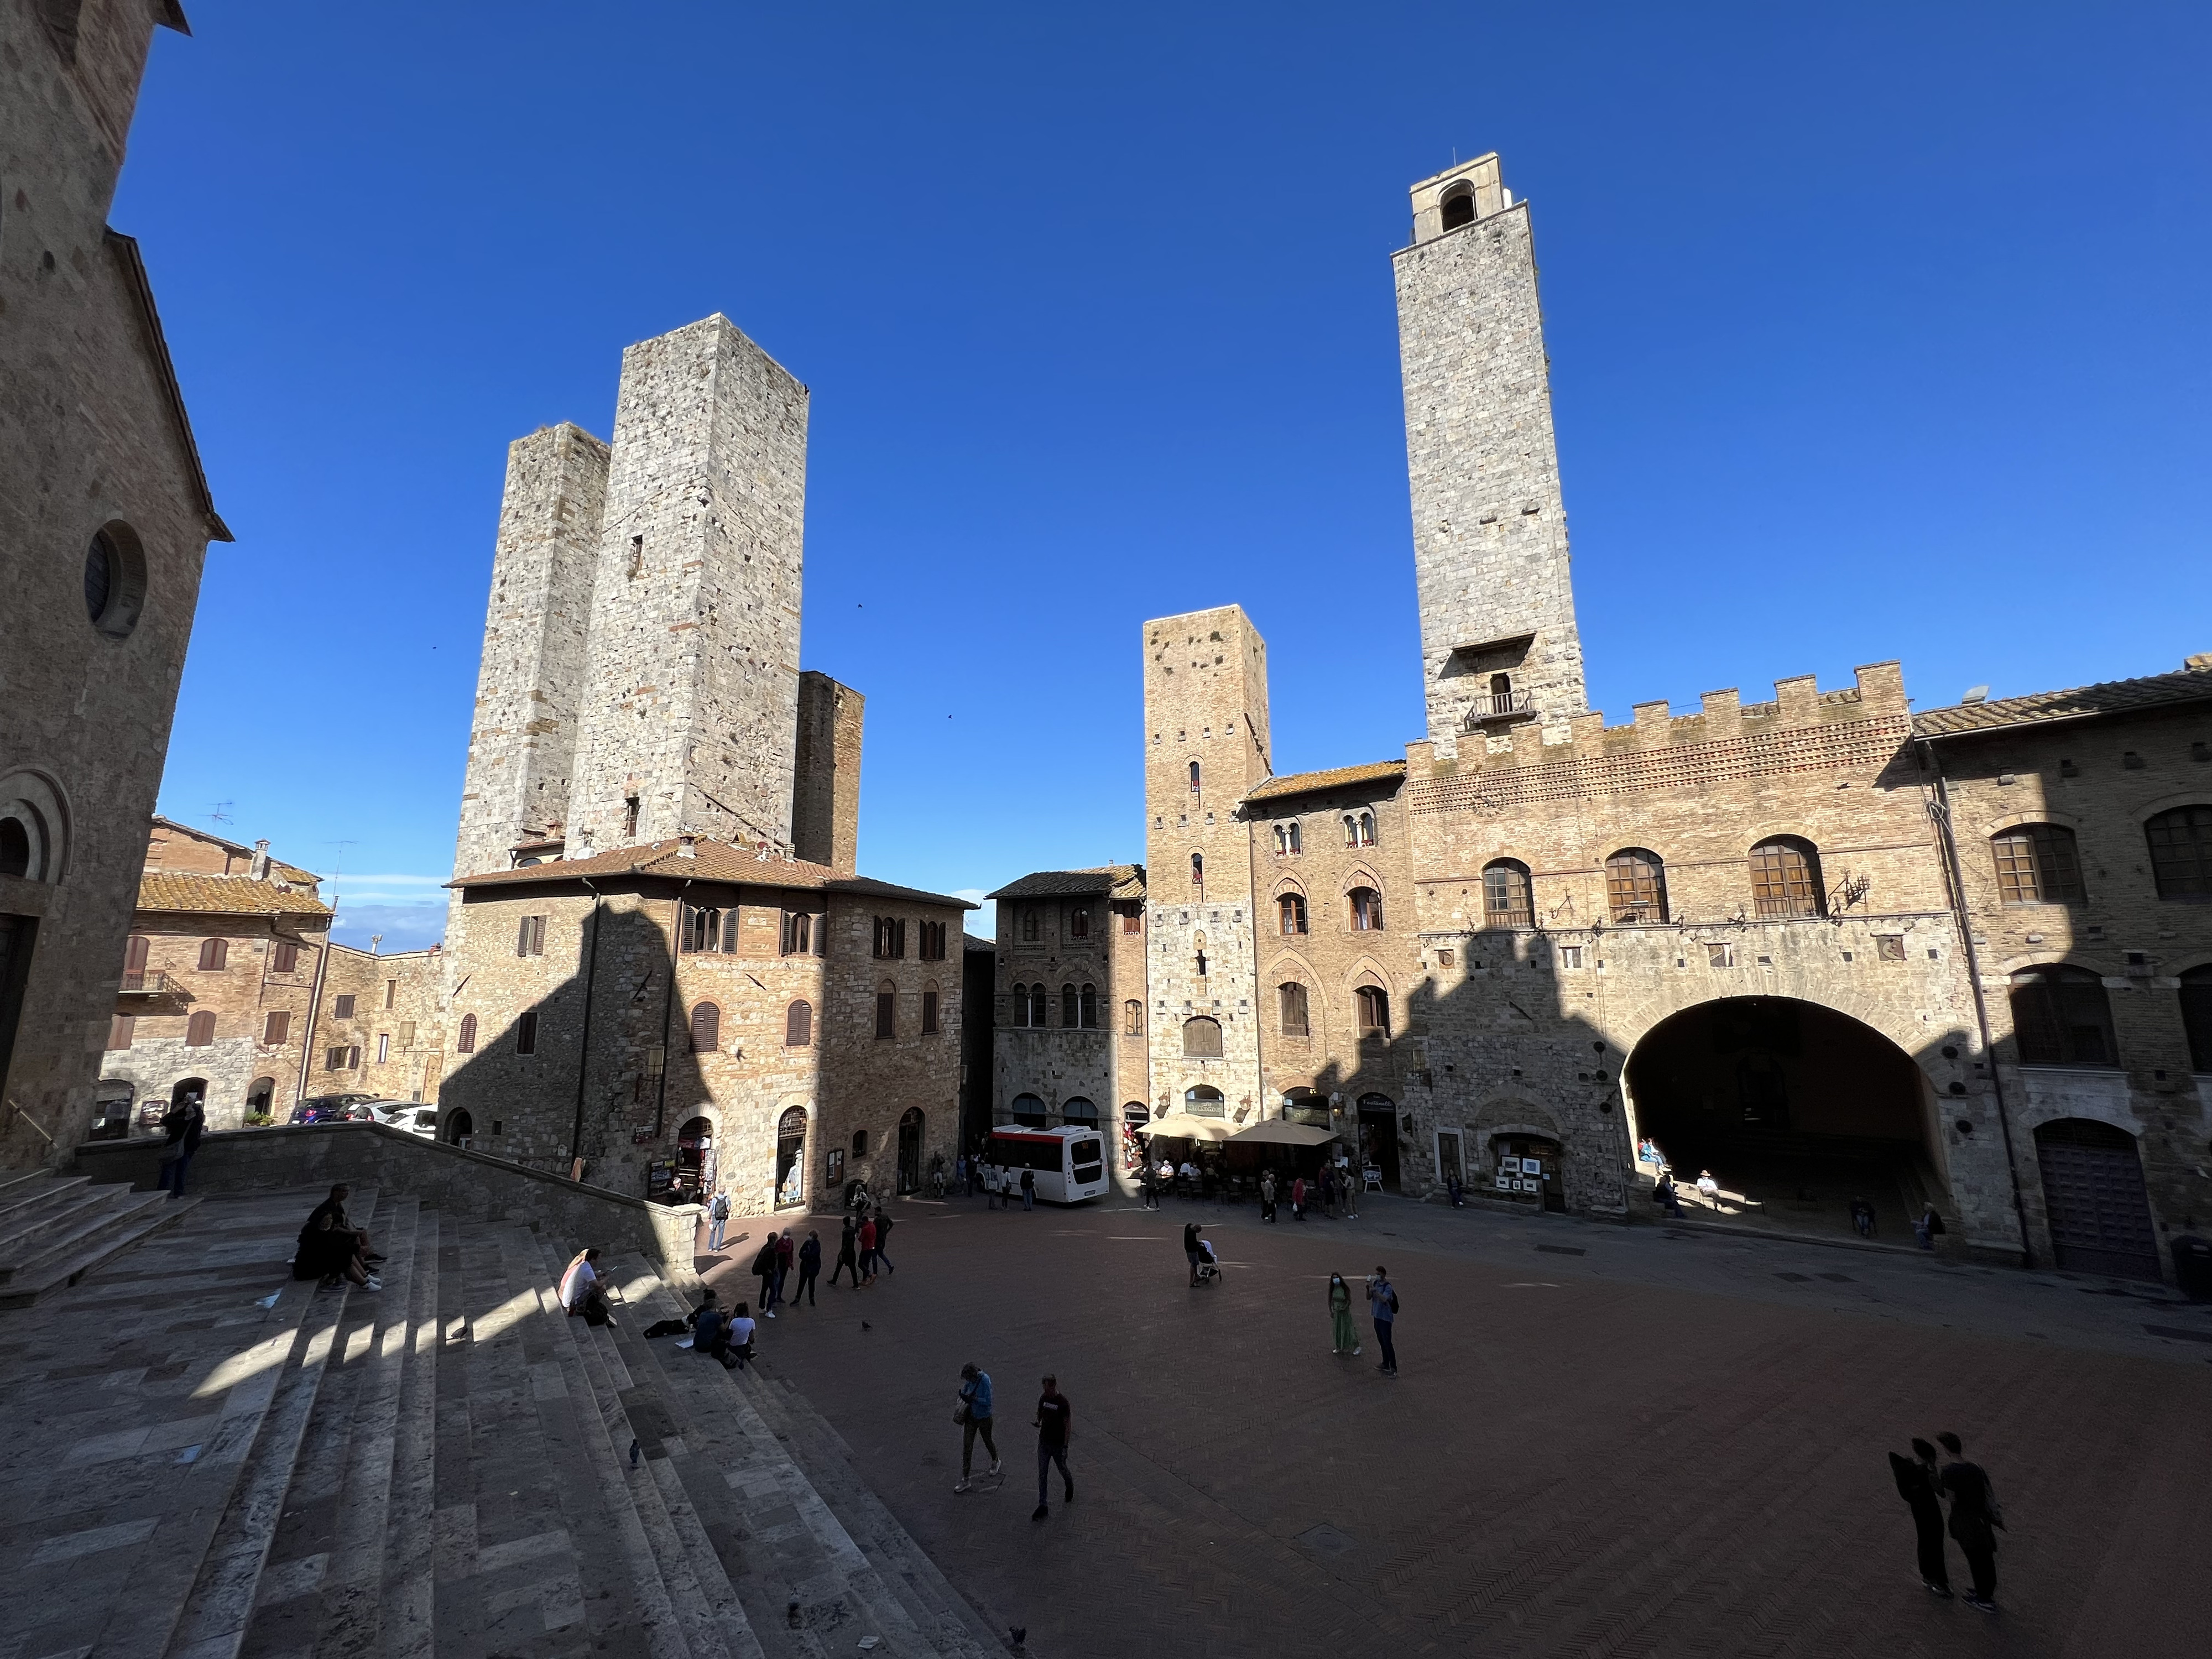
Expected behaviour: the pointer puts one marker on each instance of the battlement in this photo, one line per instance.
(1802, 729)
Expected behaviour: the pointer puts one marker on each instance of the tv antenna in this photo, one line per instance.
(220, 812)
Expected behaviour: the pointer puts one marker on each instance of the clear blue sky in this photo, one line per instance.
(1876, 332)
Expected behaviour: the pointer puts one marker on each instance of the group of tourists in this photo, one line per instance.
(1974, 1523)
(1054, 1422)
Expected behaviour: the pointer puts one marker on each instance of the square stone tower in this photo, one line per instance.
(1205, 745)
(825, 801)
(1500, 648)
(689, 708)
(522, 739)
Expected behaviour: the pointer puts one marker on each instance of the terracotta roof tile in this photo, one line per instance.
(711, 860)
(1341, 777)
(2042, 707)
(1118, 880)
(186, 891)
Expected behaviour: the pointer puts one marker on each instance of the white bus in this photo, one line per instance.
(1069, 1162)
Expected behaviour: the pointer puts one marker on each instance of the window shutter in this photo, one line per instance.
(119, 1029)
(929, 1013)
(276, 1028)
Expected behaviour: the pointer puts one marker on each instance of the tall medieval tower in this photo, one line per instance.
(1205, 746)
(1500, 648)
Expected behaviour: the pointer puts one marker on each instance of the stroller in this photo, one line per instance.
(1209, 1265)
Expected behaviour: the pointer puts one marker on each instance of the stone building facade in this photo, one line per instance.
(1070, 1017)
(214, 991)
(104, 520)
(662, 966)
(1834, 951)
(381, 1025)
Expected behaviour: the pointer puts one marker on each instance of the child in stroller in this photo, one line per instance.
(1209, 1265)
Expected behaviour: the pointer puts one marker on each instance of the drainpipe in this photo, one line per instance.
(583, 1045)
(668, 1004)
(1954, 879)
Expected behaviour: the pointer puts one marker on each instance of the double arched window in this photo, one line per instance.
(1202, 1038)
(1507, 899)
(1032, 925)
(1359, 829)
(798, 1025)
(1291, 909)
(1636, 885)
(1290, 1000)
(2062, 1017)
(1286, 837)
(2181, 852)
(1079, 922)
(1371, 1003)
(2037, 865)
(1785, 878)
(705, 1028)
(1366, 909)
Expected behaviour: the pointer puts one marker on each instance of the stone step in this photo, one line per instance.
(25, 1200)
(13, 1182)
(410, 1564)
(61, 1261)
(854, 1579)
(670, 1618)
(215, 1616)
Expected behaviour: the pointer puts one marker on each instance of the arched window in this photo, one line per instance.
(200, 1030)
(1032, 926)
(1029, 1109)
(798, 1025)
(1078, 1111)
(2196, 1016)
(466, 1043)
(1088, 1008)
(860, 1143)
(1198, 869)
(1286, 837)
(1079, 922)
(1291, 999)
(1459, 208)
(2037, 865)
(1372, 1004)
(1202, 1038)
(1132, 1017)
(1359, 829)
(1366, 910)
(1021, 1000)
(1193, 777)
(1636, 885)
(1506, 900)
(702, 929)
(2062, 1017)
(1068, 1019)
(1785, 878)
(791, 1158)
(886, 1010)
(1037, 1003)
(15, 847)
(1204, 1101)
(2181, 852)
(929, 1002)
(705, 1028)
(1292, 909)
(213, 953)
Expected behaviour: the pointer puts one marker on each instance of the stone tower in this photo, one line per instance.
(1205, 745)
(1499, 649)
(690, 707)
(825, 801)
(523, 738)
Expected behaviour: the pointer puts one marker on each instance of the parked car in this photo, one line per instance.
(409, 1115)
(328, 1108)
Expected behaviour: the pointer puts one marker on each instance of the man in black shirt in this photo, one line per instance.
(1190, 1232)
(1973, 1513)
(1917, 1486)
(1055, 1427)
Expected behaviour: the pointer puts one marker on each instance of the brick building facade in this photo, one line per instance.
(381, 1025)
(215, 993)
(104, 520)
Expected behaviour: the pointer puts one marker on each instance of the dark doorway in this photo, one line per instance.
(1378, 1140)
(191, 1088)
(1798, 1111)
(695, 1157)
(791, 1159)
(459, 1126)
(2092, 1191)
(261, 1096)
(909, 1150)
(1528, 1167)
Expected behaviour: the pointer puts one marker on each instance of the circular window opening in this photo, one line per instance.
(114, 579)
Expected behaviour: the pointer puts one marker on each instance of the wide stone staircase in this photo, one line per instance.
(56, 1229)
(214, 1460)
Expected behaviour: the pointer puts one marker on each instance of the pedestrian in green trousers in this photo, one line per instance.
(1339, 1316)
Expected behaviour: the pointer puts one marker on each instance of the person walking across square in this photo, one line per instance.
(1383, 1308)
(1917, 1484)
(786, 1257)
(1055, 1427)
(810, 1268)
(867, 1242)
(1974, 1513)
(1267, 1196)
(847, 1260)
(1191, 1229)
(883, 1238)
(974, 1416)
(718, 1215)
(1028, 1189)
(764, 1271)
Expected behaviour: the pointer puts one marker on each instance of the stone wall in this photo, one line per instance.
(691, 698)
(397, 1023)
(1206, 704)
(1489, 532)
(469, 1184)
(1057, 1061)
(825, 803)
(93, 437)
(522, 735)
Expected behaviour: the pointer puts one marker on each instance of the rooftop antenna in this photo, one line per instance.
(336, 864)
(222, 813)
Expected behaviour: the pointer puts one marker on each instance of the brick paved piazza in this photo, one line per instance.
(1670, 1444)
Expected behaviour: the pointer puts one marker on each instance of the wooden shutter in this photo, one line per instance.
(276, 1028)
(798, 1025)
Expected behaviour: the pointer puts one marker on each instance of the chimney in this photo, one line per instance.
(259, 868)
(687, 845)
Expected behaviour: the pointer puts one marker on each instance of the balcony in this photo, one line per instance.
(1490, 707)
(148, 982)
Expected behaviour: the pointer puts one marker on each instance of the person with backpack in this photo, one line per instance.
(718, 1220)
(973, 1414)
(1383, 1308)
(764, 1271)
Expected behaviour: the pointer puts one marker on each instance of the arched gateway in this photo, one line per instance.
(1793, 1104)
